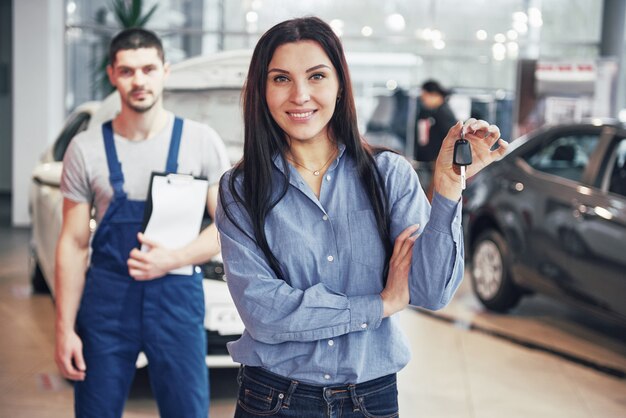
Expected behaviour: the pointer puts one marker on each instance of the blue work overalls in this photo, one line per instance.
(120, 316)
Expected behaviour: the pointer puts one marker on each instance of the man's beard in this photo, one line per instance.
(141, 107)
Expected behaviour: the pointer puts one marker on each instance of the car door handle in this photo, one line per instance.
(595, 212)
(584, 211)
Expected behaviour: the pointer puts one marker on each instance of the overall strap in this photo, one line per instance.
(172, 156)
(116, 177)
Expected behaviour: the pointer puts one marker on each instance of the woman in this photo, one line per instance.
(318, 235)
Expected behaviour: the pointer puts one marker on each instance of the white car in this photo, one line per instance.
(205, 89)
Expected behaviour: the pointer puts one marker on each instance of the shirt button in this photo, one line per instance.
(327, 376)
(331, 343)
(330, 258)
(325, 217)
(328, 178)
(364, 325)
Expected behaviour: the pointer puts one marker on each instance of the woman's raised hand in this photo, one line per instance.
(482, 137)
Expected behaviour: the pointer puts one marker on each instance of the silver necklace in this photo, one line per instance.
(319, 170)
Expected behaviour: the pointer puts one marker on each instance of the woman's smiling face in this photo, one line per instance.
(302, 89)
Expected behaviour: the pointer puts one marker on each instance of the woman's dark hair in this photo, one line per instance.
(264, 139)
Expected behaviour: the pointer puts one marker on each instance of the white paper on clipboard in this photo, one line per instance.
(178, 202)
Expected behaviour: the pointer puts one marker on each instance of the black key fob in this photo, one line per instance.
(462, 152)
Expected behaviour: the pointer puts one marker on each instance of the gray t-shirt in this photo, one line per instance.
(86, 173)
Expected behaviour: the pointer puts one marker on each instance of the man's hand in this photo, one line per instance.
(395, 295)
(69, 355)
(151, 264)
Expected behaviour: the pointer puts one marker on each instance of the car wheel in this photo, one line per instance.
(37, 280)
(491, 277)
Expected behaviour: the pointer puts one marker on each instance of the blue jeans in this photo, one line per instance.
(265, 394)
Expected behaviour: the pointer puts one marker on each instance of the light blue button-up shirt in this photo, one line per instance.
(323, 324)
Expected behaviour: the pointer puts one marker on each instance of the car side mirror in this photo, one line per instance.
(48, 174)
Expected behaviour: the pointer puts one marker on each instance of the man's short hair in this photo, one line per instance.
(432, 86)
(135, 38)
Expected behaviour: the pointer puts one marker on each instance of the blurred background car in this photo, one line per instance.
(550, 217)
(206, 89)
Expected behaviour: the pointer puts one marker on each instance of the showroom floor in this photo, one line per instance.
(542, 360)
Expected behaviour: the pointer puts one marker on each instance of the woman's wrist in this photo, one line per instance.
(390, 305)
(447, 187)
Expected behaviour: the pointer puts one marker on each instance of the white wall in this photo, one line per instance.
(38, 86)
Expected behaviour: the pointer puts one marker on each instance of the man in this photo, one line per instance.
(127, 302)
(434, 120)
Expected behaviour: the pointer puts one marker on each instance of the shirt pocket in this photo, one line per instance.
(365, 245)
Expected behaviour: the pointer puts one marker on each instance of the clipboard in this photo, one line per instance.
(174, 209)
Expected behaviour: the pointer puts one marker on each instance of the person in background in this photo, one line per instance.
(325, 239)
(113, 300)
(434, 120)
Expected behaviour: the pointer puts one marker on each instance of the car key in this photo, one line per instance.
(462, 156)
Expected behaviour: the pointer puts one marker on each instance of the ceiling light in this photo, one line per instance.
(395, 22)
(500, 38)
(336, 23)
(481, 35)
(498, 51)
(520, 17)
(392, 84)
(520, 27)
(252, 17)
(512, 49)
(367, 31)
(435, 35)
(337, 26)
(439, 44)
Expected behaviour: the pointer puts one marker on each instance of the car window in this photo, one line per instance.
(565, 156)
(617, 169)
(75, 124)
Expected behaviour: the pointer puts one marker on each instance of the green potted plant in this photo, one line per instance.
(128, 14)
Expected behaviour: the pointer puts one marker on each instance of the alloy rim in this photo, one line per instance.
(487, 270)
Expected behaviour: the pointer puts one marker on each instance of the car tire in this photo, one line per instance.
(37, 280)
(491, 272)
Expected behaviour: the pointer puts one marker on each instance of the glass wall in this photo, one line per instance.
(465, 44)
